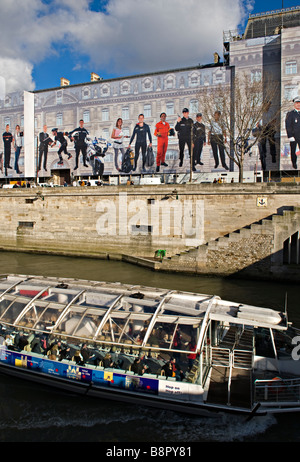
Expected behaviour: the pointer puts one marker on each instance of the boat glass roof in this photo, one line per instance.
(114, 313)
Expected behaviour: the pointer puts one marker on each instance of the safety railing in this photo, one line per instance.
(277, 390)
(242, 359)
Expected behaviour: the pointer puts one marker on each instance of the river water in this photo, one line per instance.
(32, 413)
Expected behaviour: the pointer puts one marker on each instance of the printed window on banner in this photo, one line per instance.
(125, 113)
(147, 110)
(6, 121)
(194, 104)
(86, 116)
(125, 88)
(194, 80)
(290, 91)
(256, 76)
(85, 93)
(59, 119)
(105, 133)
(170, 108)
(291, 67)
(105, 114)
(59, 97)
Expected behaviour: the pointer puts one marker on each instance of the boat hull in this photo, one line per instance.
(109, 391)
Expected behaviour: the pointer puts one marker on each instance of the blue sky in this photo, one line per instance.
(51, 39)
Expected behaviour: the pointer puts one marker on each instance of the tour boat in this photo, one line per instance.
(170, 349)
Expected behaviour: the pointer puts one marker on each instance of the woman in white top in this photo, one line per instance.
(18, 147)
(118, 136)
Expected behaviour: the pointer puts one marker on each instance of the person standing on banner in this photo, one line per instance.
(59, 136)
(141, 130)
(8, 139)
(292, 125)
(162, 129)
(18, 146)
(184, 128)
(217, 139)
(80, 142)
(45, 140)
(118, 136)
(199, 139)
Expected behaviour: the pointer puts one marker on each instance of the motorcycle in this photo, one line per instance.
(96, 150)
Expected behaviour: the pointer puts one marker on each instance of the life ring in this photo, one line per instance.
(274, 385)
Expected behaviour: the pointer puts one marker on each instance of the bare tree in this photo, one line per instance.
(249, 110)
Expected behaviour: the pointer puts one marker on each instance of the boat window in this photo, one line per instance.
(4, 304)
(4, 287)
(162, 334)
(31, 317)
(116, 328)
(14, 310)
(61, 296)
(102, 299)
(51, 315)
(29, 291)
(81, 323)
(135, 305)
(175, 336)
(185, 337)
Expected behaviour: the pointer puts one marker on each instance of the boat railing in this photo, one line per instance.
(277, 390)
(220, 356)
(242, 359)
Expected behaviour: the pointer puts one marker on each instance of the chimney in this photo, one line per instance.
(94, 77)
(216, 58)
(64, 82)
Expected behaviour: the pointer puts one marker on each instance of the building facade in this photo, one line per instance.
(270, 44)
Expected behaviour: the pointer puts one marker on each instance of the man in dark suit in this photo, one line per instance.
(45, 140)
(184, 127)
(292, 125)
(199, 139)
(8, 139)
(79, 135)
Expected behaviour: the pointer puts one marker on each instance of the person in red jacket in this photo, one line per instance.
(161, 131)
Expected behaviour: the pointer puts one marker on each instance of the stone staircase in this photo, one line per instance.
(252, 250)
(246, 246)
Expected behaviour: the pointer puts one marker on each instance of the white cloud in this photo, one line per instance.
(17, 74)
(130, 36)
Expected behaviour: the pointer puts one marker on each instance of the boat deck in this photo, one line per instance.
(240, 390)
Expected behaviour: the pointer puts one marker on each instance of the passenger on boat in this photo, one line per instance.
(36, 346)
(77, 358)
(21, 341)
(138, 366)
(192, 356)
(107, 361)
(56, 348)
(8, 341)
(85, 353)
(65, 353)
(173, 370)
(177, 342)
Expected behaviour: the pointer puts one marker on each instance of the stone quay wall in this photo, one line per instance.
(208, 228)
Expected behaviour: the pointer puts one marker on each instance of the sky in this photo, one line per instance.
(44, 40)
